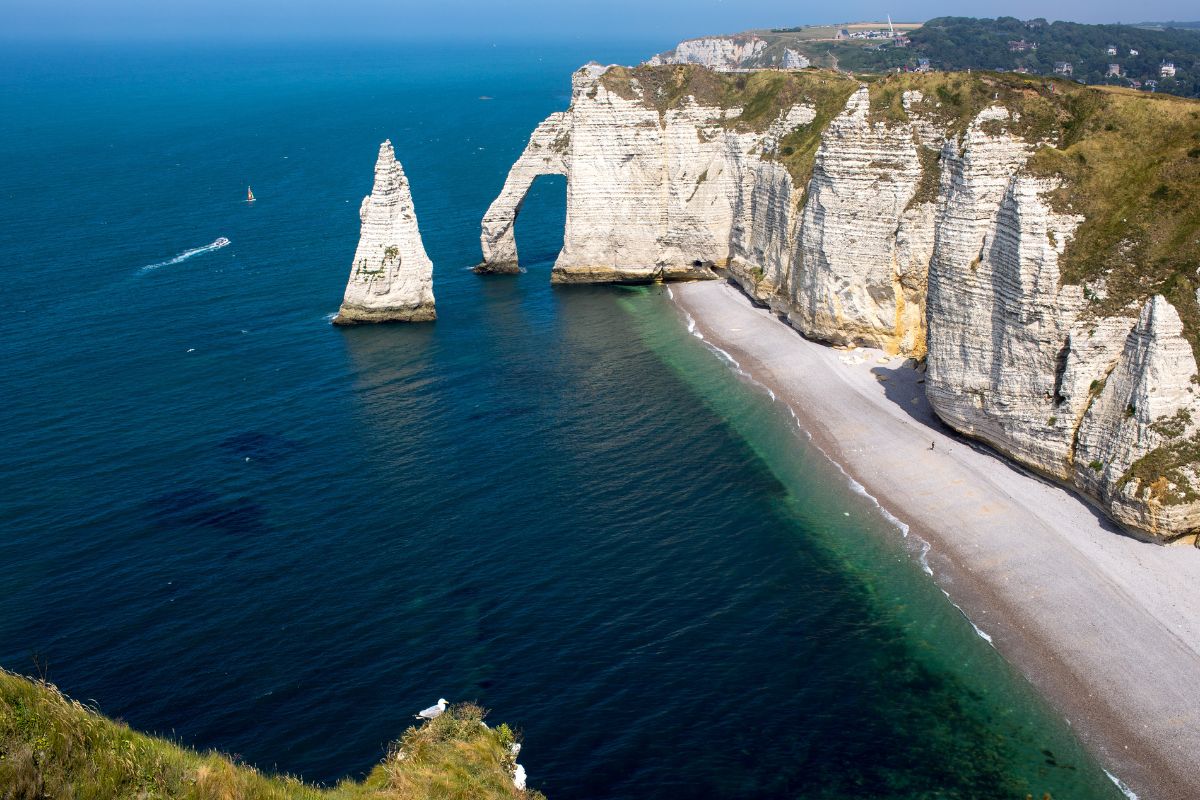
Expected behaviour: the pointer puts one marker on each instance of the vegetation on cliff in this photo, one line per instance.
(52, 747)
(1130, 166)
(952, 101)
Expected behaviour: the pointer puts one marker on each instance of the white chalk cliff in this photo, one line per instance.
(715, 52)
(910, 235)
(391, 279)
(740, 52)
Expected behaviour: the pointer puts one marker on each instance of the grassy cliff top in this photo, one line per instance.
(51, 746)
(761, 95)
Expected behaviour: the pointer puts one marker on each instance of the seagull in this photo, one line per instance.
(433, 712)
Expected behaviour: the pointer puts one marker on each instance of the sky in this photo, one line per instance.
(483, 20)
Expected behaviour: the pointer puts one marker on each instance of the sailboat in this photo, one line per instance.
(249, 195)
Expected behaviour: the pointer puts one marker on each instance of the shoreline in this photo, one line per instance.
(1096, 620)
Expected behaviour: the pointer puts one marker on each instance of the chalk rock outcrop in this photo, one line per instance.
(722, 53)
(743, 52)
(795, 60)
(864, 240)
(544, 155)
(673, 192)
(895, 216)
(391, 279)
(651, 194)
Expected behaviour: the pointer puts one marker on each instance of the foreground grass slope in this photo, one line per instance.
(54, 747)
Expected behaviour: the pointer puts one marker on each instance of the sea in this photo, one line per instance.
(228, 522)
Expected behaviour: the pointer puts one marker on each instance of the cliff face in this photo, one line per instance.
(741, 52)
(716, 52)
(924, 215)
(391, 279)
(651, 192)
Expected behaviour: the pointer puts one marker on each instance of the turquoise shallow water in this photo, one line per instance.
(226, 519)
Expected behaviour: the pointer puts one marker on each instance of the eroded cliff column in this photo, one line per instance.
(391, 279)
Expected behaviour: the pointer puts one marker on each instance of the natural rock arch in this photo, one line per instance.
(544, 155)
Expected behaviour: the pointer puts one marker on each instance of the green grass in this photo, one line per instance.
(952, 100)
(931, 177)
(1162, 469)
(54, 747)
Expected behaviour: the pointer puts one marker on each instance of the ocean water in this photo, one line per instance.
(227, 521)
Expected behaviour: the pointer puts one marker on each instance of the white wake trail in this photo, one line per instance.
(186, 254)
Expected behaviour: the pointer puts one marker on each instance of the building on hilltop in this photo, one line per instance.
(1166, 69)
(1021, 46)
(1132, 52)
(1064, 68)
(923, 65)
(1112, 50)
(1114, 71)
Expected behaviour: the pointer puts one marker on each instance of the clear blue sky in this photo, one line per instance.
(505, 19)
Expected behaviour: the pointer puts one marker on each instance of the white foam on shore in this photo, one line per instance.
(924, 559)
(982, 634)
(1125, 790)
(857, 487)
(737, 367)
(186, 254)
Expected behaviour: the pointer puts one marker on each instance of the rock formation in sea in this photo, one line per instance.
(963, 219)
(391, 279)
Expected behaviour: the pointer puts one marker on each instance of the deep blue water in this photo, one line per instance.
(225, 519)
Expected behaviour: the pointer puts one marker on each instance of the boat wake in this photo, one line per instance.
(186, 254)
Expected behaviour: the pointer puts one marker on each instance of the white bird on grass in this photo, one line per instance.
(433, 712)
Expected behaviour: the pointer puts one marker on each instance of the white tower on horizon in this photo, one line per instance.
(891, 32)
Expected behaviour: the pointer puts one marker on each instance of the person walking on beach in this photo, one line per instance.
(932, 445)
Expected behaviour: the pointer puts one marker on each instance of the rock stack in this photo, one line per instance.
(391, 279)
